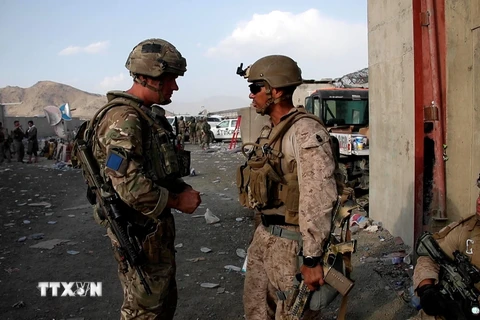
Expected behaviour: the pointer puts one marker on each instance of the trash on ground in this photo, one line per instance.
(196, 259)
(210, 218)
(73, 252)
(241, 253)
(180, 245)
(205, 249)
(209, 285)
(40, 204)
(49, 244)
(372, 229)
(22, 239)
(232, 268)
(19, 304)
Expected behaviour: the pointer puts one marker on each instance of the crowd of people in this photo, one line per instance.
(14, 143)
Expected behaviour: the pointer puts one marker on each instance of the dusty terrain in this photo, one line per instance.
(376, 295)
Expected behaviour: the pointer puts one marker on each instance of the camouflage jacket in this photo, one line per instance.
(317, 186)
(121, 128)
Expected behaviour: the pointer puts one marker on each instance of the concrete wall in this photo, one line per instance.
(462, 21)
(251, 124)
(391, 94)
(43, 127)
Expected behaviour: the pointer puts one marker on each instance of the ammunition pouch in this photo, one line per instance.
(259, 187)
(165, 162)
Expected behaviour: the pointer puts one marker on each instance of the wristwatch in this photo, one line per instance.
(311, 262)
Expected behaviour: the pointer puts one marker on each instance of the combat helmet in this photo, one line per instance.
(277, 70)
(154, 57)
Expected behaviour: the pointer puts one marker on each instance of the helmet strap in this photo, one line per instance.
(143, 83)
(270, 101)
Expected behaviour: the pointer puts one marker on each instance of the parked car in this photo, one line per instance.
(224, 130)
(214, 121)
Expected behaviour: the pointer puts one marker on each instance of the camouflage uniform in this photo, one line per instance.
(205, 134)
(181, 131)
(193, 131)
(198, 129)
(123, 129)
(272, 260)
(451, 238)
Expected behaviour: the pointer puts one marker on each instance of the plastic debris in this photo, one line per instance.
(180, 245)
(22, 239)
(372, 229)
(40, 204)
(232, 268)
(73, 252)
(193, 173)
(209, 285)
(196, 259)
(52, 222)
(26, 221)
(210, 218)
(241, 253)
(205, 249)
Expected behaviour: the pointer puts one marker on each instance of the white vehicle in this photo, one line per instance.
(224, 130)
(214, 120)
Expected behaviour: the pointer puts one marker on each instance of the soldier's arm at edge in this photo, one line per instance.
(317, 185)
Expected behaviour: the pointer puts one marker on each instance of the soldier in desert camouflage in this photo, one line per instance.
(123, 132)
(464, 236)
(291, 184)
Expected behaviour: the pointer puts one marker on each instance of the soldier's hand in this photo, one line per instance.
(188, 200)
(313, 277)
(434, 303)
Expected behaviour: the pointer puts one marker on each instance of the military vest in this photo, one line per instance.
(162, 161)
(264, 181)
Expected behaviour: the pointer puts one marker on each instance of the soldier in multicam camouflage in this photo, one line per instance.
(291, 185)
(464, 236)
(123, 133)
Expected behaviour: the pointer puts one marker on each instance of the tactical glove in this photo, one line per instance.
(434, 303)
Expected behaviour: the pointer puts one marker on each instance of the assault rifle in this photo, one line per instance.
(103, 193)
(457, 277)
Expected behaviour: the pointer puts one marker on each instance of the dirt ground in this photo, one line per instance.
(43, 199)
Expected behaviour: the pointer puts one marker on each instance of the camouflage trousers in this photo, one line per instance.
(159, 273)
(271, 267)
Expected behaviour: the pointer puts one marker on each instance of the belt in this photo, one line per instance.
(284, 233)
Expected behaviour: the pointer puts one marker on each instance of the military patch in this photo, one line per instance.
(152, 48)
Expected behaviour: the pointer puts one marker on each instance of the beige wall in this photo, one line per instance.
(391, 94)
(391, 109)
(462, 21)
(251, 124)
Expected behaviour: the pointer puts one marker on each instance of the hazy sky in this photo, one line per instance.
(85, 43)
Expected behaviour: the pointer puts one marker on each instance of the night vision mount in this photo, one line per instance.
(243, 72)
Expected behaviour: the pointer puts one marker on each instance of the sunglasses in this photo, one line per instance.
(256, 87)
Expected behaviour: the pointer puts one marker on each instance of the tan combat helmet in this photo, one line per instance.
(276, 71)
(153, 57)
